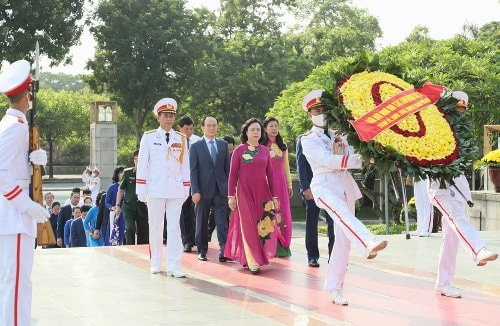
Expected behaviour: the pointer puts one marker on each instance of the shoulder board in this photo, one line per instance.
(128, 169)
(150, 131)
(20, 120)
(180, 133)
(307, 133)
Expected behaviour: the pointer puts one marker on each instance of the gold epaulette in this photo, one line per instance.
(150, 131)
(180, 133)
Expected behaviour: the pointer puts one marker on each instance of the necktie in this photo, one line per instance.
(213, 151)
(188, 142)
(168, 136)
(327, 133)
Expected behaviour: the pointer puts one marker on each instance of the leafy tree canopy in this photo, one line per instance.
(143, 53)
(56, 24)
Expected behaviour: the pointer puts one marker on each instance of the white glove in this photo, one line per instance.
(354, 161)
(37, 212)
(142, 197)
(38, 157)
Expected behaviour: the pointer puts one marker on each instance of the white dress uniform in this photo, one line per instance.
(424, 207)
(93, 183)
(456, 228)
(163, 175)
(19, 213)
(335, 190)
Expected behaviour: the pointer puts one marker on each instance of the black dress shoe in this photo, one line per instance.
(313, 263)
(187, 248)
(223, 259)
(202, 257)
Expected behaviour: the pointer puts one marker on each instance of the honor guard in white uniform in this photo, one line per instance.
(163, 182)
(92, 181)
(452, 203)
(335, 190)
(19, 214)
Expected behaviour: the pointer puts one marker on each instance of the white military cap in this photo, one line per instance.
(165, 104)
(15, 78)
(312, 99)
(462, 97)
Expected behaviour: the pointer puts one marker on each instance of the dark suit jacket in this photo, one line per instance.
(206, 176)
(303, 168)
(65, 214)
(77, 234)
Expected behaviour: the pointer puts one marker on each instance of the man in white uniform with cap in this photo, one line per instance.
(456, 229)
(19, 214)
(335, 190)
(163, 182)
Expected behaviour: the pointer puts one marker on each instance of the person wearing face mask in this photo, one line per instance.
(334, 190)
(20, 214)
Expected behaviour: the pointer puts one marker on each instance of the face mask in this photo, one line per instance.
(319, 120)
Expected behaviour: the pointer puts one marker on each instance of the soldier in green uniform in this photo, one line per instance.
(134, 211)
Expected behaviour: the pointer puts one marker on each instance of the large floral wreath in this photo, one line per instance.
(434, 142)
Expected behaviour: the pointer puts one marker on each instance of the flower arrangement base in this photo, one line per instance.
(494, 174)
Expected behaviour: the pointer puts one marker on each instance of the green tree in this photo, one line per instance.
(490, 32)
(251, 54)
(143, 53)
(418, 34)
(60, 81)
(333, 28)
(63, 119)
(56, 24)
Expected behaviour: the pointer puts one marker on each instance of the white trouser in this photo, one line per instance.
(348, 229)
(156, 211)
(16, 263)
(456, 229)
(423, 205)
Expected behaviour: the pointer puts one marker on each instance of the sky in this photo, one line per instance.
(397, 18)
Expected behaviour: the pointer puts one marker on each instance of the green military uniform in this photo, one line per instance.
(135, 212)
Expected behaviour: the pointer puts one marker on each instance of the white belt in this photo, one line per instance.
(327, 170)
(23, 183)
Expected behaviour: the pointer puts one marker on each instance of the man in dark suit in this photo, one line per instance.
(312, 211)
(65, 214)
(209, 165)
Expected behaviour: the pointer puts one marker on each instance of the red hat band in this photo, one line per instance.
(24, 86)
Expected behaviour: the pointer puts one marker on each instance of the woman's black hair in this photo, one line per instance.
(244, 130)
(279, 140)
(117, 171)
(98, 197)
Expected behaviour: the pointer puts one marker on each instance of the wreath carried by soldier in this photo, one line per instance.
(396, 121)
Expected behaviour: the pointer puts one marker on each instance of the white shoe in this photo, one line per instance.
(373, 247)
(155, 270)
(484, 256)
(449, 291)
(177, 273)
(339, 299)
(424, 234)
